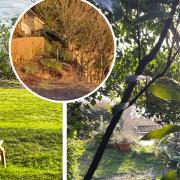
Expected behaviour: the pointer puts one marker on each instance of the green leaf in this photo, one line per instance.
(99, 98)
(87, 106)
(164, 92)
(161, 132)
(170, 175)
(93, 102)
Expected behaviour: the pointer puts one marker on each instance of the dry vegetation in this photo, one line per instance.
(78, 50)
(86, 32)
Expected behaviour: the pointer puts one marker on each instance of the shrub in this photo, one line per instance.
(75, 151)
(168, 151)
(52, 65)
(30, 69)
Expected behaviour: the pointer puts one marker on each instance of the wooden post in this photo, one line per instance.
(57, 54)
(3, 157)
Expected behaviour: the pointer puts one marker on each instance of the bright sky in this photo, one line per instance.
(12, 8)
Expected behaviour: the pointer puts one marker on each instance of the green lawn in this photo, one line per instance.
(31, 130)
(139, 162)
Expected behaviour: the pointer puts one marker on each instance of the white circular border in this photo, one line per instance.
(62, 101)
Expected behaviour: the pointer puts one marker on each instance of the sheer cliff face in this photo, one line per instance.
(87, 33)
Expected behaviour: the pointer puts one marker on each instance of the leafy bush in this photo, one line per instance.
(52, 65)
(75, 151)
(30, 69)
(157, 101)
(169, 152)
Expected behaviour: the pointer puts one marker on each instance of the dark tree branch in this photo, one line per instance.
(155, 50)
(168, 64)
(138, 33)
(148, 58)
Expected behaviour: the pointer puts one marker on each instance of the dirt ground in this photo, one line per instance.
(58, 90)
(64, 85)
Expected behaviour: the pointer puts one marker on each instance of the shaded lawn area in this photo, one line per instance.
(140, 163)
(31, 130)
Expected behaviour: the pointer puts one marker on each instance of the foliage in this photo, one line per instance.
(30, 69)
(140, 52)
(5, 69)
(129, 50)
(169, 175)
(85, 119)
(98, 132)
(75, 151)
(165, 111)
(82, 122)
(87, 34)
(169, 145)
(164, 92)
(31, 130)
(75, 145)
(126, 28)
(168, 152)
(10, 84)
(75, 121)
(162, 132)
(52, 65)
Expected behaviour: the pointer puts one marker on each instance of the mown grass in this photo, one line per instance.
(31, 130)
(139, 161)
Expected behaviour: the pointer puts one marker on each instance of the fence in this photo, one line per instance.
(26, 48)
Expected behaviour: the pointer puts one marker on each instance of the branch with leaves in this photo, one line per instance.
(128, 92)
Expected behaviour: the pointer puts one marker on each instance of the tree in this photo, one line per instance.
(87, 34)
(144, 56)
(5, 68)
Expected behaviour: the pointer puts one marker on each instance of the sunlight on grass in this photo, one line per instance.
(115, 163)
(31, 130)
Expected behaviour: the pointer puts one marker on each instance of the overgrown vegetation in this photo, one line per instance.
(148, 51)
(52, 65)
(75, 151)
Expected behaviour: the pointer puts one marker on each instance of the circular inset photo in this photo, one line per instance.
(62, 50)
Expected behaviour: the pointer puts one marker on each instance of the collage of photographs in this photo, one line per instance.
(89, 89)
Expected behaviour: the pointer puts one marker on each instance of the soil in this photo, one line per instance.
(65, 85)
(63, 90)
